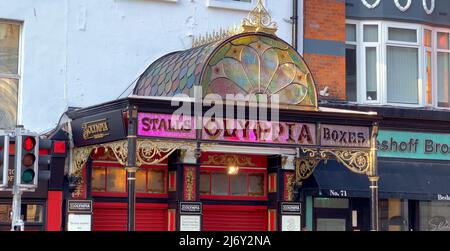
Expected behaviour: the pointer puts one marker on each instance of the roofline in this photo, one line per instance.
(142, 101)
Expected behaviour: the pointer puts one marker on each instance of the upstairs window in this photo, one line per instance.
(402, 66)
(9, 73)
(391, 63)
(443, 67)
(351, 62)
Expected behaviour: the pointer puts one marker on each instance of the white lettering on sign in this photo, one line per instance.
(338, 193)
(291, 208)
(190, 208)
(444, 197)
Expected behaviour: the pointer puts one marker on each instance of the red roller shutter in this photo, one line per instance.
(113, 217)
(234, 218)
(151, 217)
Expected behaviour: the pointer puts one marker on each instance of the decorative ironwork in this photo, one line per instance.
(107, 156)
(152, 152)
(305, 167)
(189, 184)
(216, 36)
(149, 152)
(357, 161)
(229, 160)
(290, 182)
(80, 156)
(259, 20)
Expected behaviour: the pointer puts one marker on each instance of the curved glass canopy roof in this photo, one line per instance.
(253, 62)
(248, 63)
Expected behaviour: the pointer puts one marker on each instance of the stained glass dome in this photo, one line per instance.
(247, 63)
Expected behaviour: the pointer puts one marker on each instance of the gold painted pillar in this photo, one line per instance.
(373, 179)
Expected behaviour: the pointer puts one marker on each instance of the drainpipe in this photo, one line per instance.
(294, 19)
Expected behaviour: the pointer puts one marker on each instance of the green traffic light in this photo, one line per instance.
(28, 176)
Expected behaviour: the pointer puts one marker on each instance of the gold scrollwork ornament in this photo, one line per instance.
(305, 167)
(356, 161)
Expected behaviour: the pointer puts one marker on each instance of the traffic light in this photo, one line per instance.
(4, 158)
(27, 148)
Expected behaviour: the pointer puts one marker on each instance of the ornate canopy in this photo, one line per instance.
(254, 61)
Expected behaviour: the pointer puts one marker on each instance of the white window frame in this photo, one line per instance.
(432, 50)
(17, 76)
(362, 96)
(436, 50)
(358, 56)
(381, 46)
(417, 45)
(233, 5)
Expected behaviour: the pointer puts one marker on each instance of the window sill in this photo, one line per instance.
(231, 5)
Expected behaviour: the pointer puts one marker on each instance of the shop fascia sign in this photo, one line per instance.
(414, 145)
(252, 131)
(101, 128)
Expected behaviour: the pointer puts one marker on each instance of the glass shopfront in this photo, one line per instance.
(434, 215)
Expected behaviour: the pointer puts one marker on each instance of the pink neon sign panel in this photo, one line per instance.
(259, 131)
(166, 126)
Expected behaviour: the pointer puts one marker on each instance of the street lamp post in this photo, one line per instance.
(131, 167)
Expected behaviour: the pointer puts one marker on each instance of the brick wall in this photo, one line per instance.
(324, 22)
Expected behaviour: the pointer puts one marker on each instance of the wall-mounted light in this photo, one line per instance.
(233, 170)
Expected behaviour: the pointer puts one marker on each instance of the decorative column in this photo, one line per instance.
(289, 210)
(373, 178)
(189, 213)
(131, 166)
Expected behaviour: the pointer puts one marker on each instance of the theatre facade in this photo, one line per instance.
(138, 164)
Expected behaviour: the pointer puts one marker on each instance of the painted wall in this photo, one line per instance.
(82, 52)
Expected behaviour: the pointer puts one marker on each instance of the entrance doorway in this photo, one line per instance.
(332, 214)
(332, 221)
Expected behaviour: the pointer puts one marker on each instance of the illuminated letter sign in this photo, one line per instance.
(259, 131)
(166, 126)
